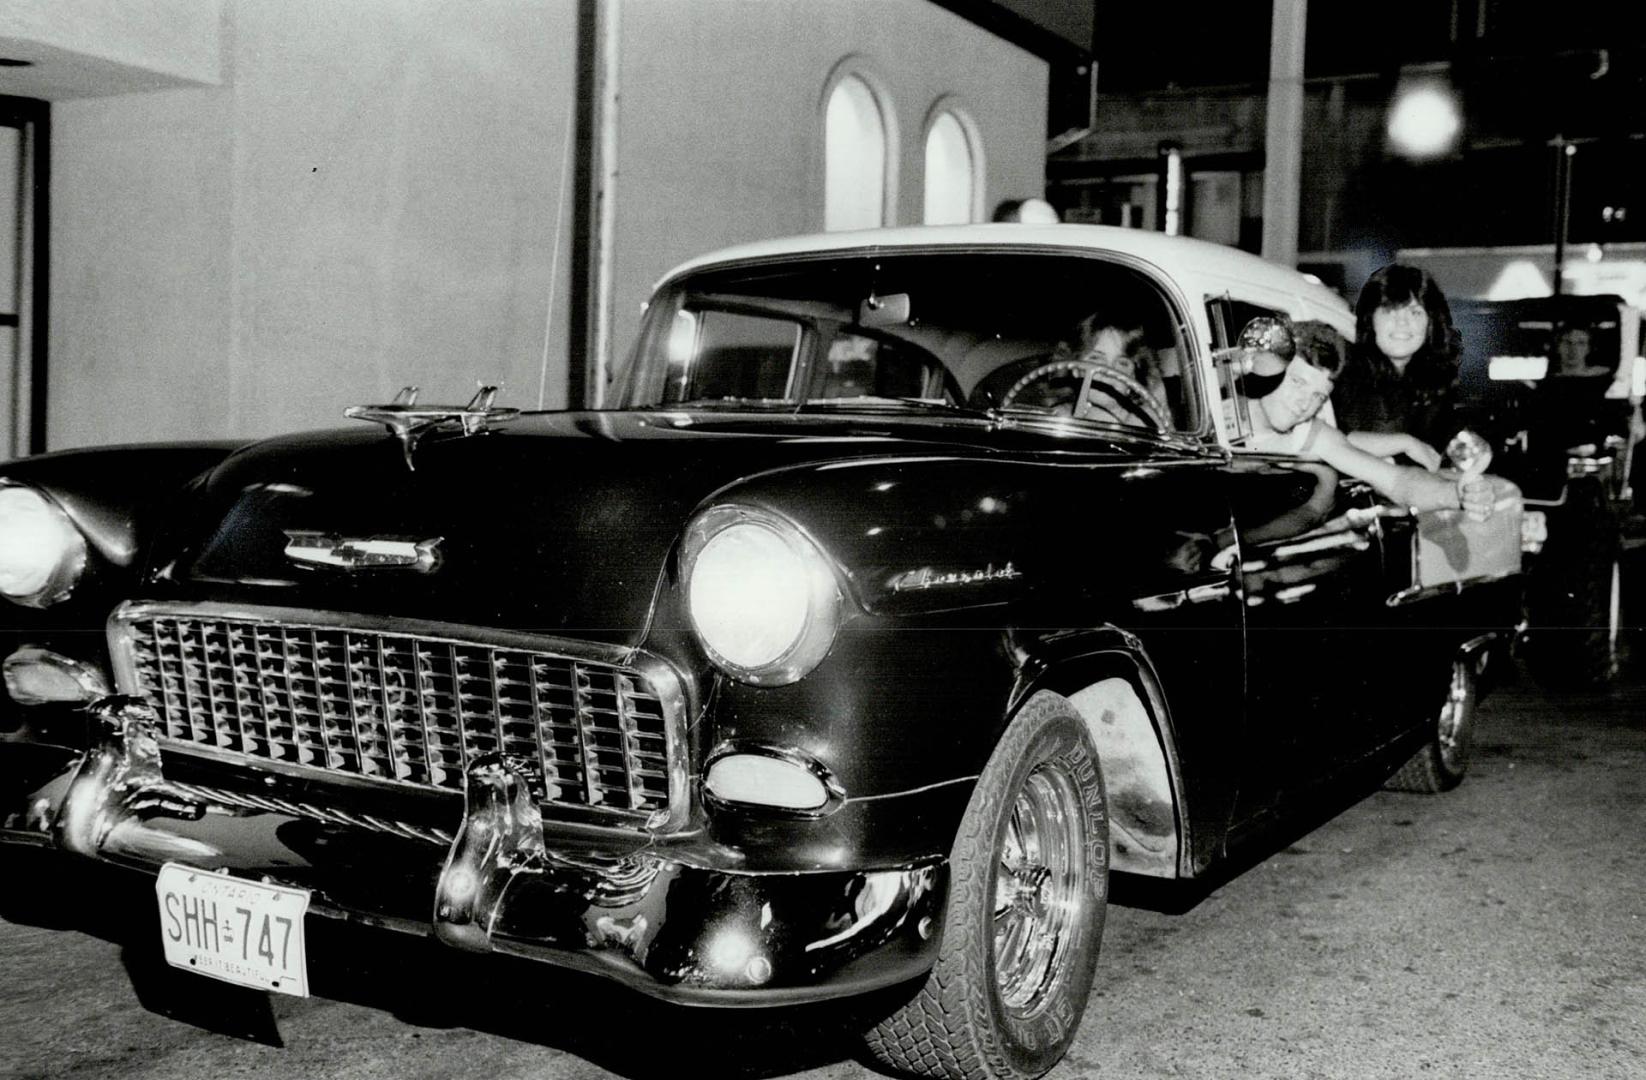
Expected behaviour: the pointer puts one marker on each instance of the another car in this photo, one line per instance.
(919, 581)
(1555, 384)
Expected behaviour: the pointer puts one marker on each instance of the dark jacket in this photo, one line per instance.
(1372, 396)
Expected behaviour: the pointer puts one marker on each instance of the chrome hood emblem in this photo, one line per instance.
(408, 423)
(362, 553)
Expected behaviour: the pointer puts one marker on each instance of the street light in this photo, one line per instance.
(1424, 120)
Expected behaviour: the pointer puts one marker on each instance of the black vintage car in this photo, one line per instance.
(920, 581)
(1551, 382)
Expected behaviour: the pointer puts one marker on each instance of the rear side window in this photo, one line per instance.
(728, 355)
(857, 366)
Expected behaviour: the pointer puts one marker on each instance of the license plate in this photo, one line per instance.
(232, 929)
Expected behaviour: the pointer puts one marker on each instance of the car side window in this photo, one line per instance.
(859, 366)
(1226, 316)
(729, 355)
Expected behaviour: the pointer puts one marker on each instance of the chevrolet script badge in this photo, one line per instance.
(362, 553)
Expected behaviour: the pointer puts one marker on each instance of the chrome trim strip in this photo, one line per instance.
(661, 676)
(1449, 588)
(972, 778)
(223, 797)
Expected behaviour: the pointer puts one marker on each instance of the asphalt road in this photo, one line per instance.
(1496, 931)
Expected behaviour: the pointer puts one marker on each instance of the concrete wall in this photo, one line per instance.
(368, 201)
(721, 122)
(370, 197)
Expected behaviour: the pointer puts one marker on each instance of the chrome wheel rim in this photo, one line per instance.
(1453, 729)
(1041, 880)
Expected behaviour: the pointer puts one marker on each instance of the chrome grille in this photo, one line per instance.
(410, 708)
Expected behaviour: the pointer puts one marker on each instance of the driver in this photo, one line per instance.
(1120, 344)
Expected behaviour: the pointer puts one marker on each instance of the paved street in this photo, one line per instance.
(1497, 931)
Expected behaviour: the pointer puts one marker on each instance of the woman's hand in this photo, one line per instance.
(1422, 453)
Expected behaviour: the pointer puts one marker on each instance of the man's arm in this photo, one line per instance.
(1402, 484)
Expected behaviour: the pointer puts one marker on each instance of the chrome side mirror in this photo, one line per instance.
(1268, 334)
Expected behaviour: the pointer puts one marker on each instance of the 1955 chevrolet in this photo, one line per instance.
(920, 580)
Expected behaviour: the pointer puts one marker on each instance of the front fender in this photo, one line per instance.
(1165, 826)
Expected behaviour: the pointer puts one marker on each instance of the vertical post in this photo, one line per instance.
(605, 220)
(594, 169)
(1565, 151)
(1170, 189)
(39, 276)
(1283, 137)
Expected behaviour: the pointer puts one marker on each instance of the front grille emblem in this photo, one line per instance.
(362, 553)
(408, 423)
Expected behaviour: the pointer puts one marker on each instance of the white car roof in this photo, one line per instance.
(1179, 258)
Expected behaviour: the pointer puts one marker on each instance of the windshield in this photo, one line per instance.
(1044, 334)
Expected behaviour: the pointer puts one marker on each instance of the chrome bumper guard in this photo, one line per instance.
(679, 931)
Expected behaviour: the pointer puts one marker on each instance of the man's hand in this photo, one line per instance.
(1477, 496)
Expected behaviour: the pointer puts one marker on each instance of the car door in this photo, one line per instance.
(1313, 585)
(1309, 564)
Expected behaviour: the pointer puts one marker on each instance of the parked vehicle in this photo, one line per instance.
(878, 624)
(1554, 384)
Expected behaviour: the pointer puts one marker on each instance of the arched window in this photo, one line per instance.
(854, 157)
(951, 172)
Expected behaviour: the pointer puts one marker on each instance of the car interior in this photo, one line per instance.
(1080, 339)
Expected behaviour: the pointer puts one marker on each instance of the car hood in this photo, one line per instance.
(558, 523)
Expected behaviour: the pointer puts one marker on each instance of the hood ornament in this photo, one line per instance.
(408, 423)
(362, 553)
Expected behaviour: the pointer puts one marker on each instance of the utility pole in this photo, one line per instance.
(1565, 151)
(1283, 131)
(588, 331)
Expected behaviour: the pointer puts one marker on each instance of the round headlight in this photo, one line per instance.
(761, 596)
(41, 552)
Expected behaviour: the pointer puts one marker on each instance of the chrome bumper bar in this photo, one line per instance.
(678, 931)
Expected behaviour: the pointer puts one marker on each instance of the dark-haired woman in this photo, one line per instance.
(1402, 369)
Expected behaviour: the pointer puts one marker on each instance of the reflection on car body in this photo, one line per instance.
(830, 661)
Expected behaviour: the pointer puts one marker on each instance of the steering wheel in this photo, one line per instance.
(1126, 391)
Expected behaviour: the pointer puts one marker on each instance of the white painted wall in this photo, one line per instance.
(370, 196)
(366, 202)
(721, 123)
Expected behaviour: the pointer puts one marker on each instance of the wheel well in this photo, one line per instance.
(1143, 832)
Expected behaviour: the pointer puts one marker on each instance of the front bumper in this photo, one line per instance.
(689, 933)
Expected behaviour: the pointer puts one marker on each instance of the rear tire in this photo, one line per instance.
(1029, 883)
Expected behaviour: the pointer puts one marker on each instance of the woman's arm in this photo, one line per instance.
(1395, 443)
